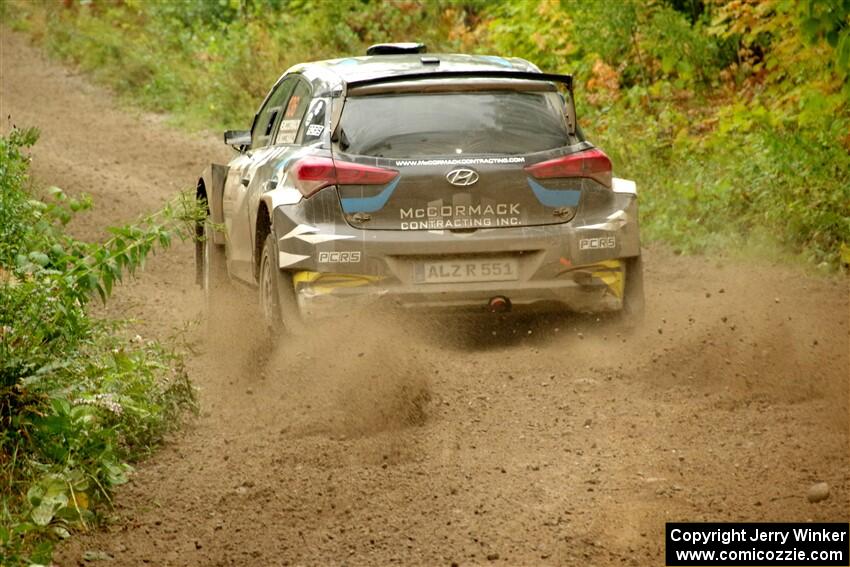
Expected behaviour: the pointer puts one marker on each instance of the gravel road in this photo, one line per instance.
(549, 441)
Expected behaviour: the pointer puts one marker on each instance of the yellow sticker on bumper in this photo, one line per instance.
(323, 283)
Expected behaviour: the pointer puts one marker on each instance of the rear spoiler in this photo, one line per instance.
(566, 80)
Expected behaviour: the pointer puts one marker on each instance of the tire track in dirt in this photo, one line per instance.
(547, 441)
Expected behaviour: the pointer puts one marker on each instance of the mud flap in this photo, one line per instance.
(210, 188)
(633, 296)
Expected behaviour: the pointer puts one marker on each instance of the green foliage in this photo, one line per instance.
(732, 115)
(829, 20)
(744, 178)
(77, 400)
(211, 62)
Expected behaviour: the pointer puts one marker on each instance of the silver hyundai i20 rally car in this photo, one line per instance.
(419, 180)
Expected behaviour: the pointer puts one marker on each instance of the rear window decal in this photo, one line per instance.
(460, 161)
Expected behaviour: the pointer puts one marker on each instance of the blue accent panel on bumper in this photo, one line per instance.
(370, 204)
(554, 197)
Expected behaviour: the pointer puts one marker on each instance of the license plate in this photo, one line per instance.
(452, 271)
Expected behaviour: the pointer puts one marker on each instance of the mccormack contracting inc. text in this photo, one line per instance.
(764, 544)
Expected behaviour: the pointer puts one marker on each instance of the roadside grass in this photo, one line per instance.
(79, 399)
(769, 189)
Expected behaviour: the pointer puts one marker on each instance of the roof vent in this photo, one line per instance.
(429, 60)
(395, 48)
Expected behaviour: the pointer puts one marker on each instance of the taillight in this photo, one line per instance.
(348, 173)
(315, 173)
(591, 163)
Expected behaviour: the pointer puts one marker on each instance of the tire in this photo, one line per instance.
(633, 295)
(278, 306)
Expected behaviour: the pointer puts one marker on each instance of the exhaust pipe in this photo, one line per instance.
(499, 304)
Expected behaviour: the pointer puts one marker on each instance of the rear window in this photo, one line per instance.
(403, 125)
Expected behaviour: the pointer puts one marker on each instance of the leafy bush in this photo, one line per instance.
(77, 400)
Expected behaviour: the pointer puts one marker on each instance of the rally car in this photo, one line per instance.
(409, 180)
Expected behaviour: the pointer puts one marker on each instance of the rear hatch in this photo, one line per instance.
(464, 160)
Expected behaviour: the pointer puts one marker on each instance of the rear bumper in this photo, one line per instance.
(578, 266)
(592, 296)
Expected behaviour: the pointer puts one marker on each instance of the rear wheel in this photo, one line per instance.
(278, 305)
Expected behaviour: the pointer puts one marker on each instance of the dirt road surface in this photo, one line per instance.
(529, 442)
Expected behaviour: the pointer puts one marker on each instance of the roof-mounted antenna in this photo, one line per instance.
(395, 48)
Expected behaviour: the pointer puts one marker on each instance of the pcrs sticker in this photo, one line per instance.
(339, 257)
(599, 243)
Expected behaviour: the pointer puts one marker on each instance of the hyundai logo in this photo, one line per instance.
(462, 177)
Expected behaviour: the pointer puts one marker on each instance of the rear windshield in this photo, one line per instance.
(403, 125)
